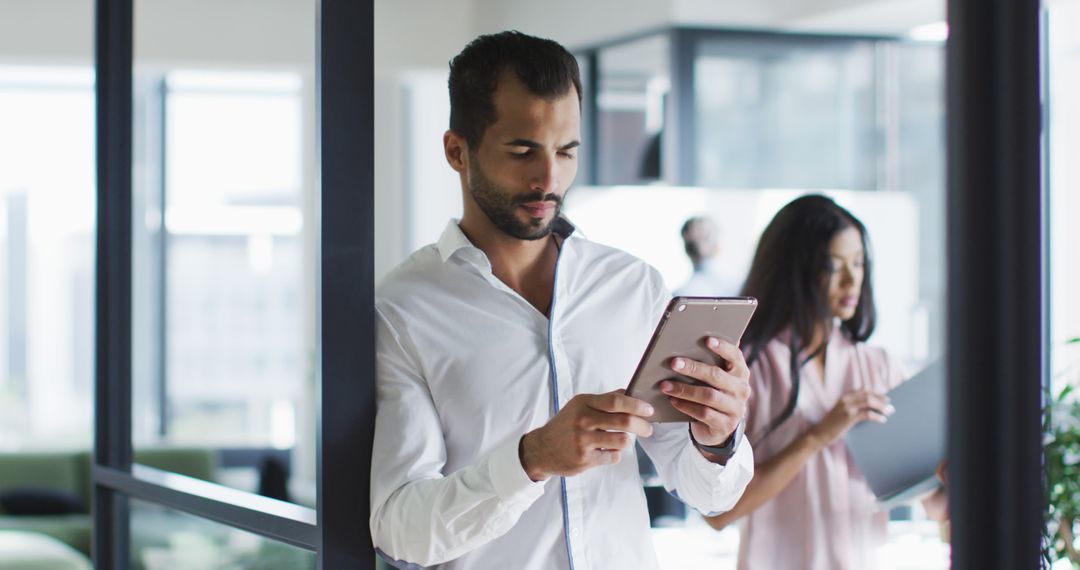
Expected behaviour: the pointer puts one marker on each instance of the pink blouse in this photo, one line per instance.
(827, 517)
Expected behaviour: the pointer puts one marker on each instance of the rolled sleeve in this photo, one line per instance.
(724, 484)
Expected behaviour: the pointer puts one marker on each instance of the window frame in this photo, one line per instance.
(336, 531)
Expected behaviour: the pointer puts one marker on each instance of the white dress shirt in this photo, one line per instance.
(466, 366)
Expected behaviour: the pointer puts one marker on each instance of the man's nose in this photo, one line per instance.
(545, 175)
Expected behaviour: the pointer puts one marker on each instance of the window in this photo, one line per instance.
(224, 353)
(631, 107)
(134, 225)
(46, 256)
(1063, 67)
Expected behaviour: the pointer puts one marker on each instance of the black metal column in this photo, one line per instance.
(684, 46)
(112, 386)
(347, 384)
(996, 283)
(590, 112)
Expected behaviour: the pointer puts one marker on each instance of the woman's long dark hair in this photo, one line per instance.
(788, 277)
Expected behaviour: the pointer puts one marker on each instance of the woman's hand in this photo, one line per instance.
(853, 407)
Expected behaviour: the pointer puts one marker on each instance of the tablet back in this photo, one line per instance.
(899, 457)
(682, 330)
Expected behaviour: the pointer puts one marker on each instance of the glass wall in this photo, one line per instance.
(1062, 67)
(773, 116)
(46, 255)
(223, 297)
(631, 106)
(1063, 70)
(776, 113)
(164, 539)
(224, 243)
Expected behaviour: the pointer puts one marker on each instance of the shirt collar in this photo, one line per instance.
(453, 239)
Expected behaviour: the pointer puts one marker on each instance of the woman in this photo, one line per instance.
(812, 378)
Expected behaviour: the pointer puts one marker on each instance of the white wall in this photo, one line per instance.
(414, 41)
(241, 32)
(55, 31)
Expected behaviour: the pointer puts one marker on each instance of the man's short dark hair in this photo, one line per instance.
(545, 68)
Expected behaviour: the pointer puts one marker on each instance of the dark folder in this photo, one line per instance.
(899, 458)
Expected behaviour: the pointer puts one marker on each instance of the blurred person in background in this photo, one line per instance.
(701, 240)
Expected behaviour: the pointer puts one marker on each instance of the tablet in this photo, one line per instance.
(682, 331)
(899, 457)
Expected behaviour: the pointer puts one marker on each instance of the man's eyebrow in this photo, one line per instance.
(533, 144)
(523, 142)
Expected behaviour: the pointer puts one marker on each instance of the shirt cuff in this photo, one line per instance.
(742, 458)
(508, 477)
(726, 483)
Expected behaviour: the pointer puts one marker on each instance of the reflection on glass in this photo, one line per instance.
(46, 255)
(634, 81)
(223, 243)
(163, 539)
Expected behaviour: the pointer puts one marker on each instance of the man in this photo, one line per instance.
(701, 241)
(502, 437)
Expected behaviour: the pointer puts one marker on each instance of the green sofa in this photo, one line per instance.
(68, 473)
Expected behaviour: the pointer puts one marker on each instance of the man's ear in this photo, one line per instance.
(456, 149)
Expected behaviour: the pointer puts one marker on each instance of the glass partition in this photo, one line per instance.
(777, 113)
(634, 81)
(164, 539)
(1062, 66)
(46, 255)
(775, 116)
(1063, 69)
(224, 241)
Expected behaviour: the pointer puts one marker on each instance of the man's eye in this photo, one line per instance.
(521, 154)
(566, 154)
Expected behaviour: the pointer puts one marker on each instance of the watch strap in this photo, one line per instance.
(725, 450)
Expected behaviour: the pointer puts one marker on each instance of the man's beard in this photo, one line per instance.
(501, 205)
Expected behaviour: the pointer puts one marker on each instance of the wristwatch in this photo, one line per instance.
(725, 450)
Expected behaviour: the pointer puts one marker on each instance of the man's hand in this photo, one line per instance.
(720, 404)
(590, 430)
